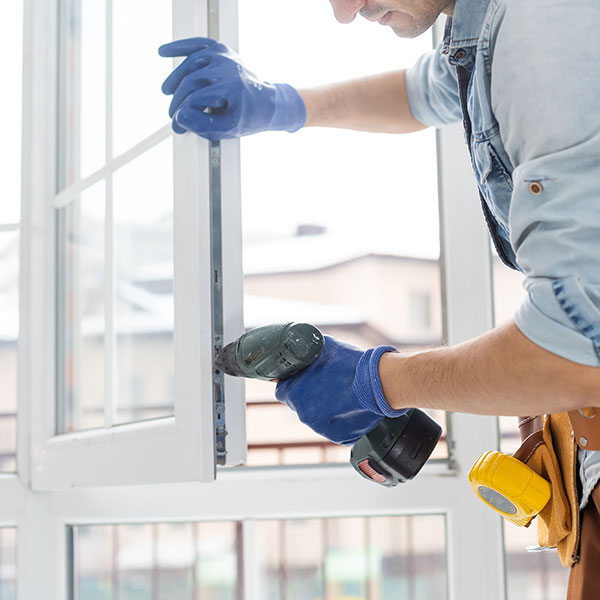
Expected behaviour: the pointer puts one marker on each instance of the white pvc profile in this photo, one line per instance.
(178, 448)
(280, 496)
(233, 276)
(109, 254)
(475, 535)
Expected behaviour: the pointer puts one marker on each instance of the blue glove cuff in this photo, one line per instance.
(290, 111)
(367, 384)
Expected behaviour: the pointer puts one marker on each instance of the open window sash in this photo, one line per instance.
(180, 447)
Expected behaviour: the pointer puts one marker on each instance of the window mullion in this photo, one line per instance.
(42, 551)
(109, 263)
(467, 266)
(250, 560)
(109, 305)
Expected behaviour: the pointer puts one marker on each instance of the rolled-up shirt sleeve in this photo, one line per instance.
(432, 90)
(545, 78)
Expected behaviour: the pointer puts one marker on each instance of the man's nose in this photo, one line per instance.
(346, 10)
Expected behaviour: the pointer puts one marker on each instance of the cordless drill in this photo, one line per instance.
(391, 453)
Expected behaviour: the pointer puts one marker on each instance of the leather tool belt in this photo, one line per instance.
(548, 447)
(586, 427)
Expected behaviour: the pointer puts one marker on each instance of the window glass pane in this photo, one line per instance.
(340, 228)
(143, 246)
(82, 298)
(8, 563)
(11, 34)
(532, 575)
(380, 558)
(139, 107)
(85, 93)
(9, 333)
(186, 561)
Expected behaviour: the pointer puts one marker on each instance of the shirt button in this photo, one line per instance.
(459, 55)
(535, 188)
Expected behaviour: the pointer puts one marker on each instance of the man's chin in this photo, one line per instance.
(406, 26)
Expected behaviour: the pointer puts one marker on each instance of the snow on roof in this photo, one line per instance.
(153, 313)
(311, 252)
(259, 310)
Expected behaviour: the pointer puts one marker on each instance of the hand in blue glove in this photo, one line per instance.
(215, 96)
(339, 396)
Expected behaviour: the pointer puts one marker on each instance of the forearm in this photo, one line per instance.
(499, 373)
(376, 103)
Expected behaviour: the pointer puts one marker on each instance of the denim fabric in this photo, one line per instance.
(525, 77)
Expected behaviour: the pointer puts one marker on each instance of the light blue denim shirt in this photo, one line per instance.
(529, 71)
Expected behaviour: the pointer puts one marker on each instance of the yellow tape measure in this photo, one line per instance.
(509, 486)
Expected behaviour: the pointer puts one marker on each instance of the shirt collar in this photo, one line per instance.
(464, 28)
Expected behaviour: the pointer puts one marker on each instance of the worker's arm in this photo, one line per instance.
(347, 391)
(376, 103)
(426, 94)
(499, 373)
(217, 97)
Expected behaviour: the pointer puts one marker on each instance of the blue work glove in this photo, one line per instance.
(215, 96)
(339, 396)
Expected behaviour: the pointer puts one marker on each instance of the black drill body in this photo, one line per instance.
(391, 453)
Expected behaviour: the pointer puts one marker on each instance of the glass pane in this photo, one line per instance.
(85, 92)
(508, 296)
(9, 334)
(218, 563)
(532, 575)
(11, 34)
(340, 228)
(139, 107)
(95, 560)
(8, 563)
(186, 561)
(81, 299)
(175, 560)
(379, 558)
(143, 246)
(135, 556)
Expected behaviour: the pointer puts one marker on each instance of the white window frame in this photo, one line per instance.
(475, 558)
(180, 448)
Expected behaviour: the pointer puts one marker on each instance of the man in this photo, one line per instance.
(524, 76)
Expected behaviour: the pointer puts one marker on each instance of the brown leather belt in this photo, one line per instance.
(584, 422)
(586, 427)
